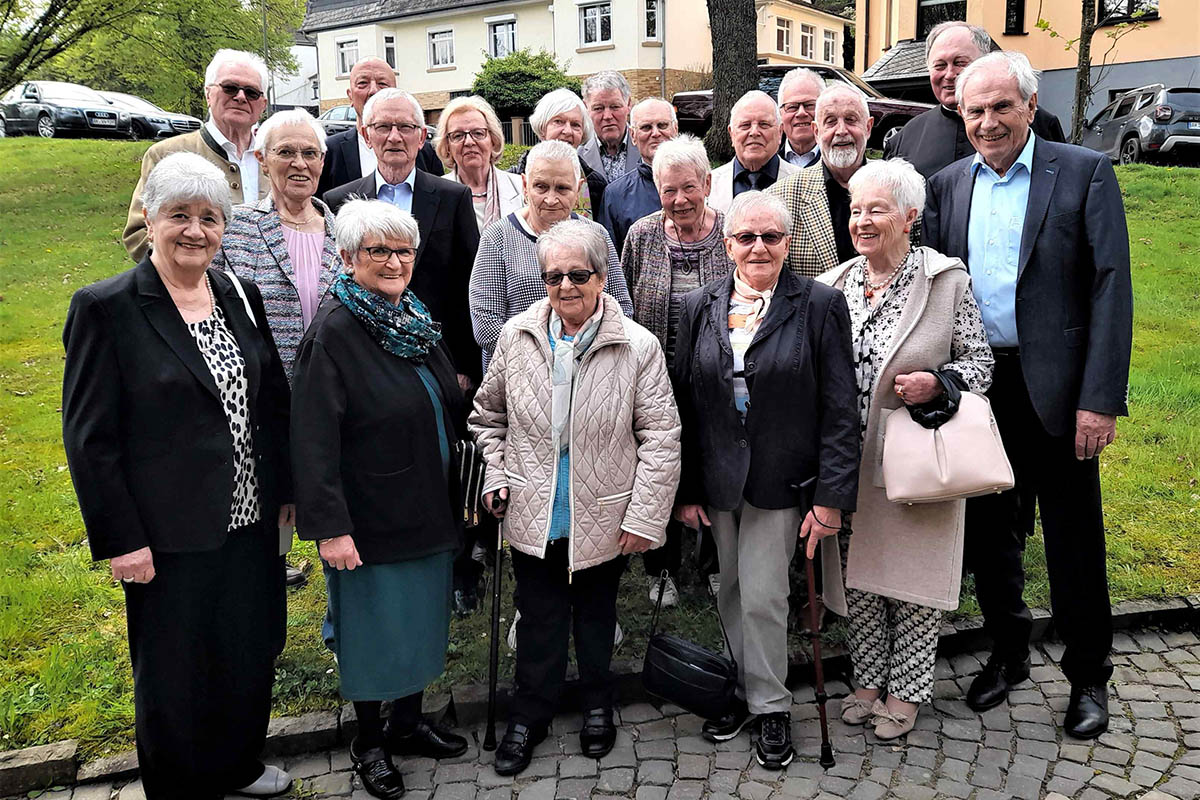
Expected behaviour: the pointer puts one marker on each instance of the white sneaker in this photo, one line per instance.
(714, 583)
(670, 594)
(619, 636)
(512, 632)
(273, 781)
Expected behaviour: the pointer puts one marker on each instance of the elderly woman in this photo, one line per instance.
(175, 423)
(561, 116)
(668, 254)
(507, 279)
(581, 438)
(912, 313)
(469, 140)
(781, 457)
(376, 410)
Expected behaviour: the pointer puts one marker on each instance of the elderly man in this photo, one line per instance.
(394, 125)
(612, 151)
(798, 93)
(1042, 229)
(348, 157)
(938, 138)
(634, 195)
(234, 86)
(754, 130)
(818, 196)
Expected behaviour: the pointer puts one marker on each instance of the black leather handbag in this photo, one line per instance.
(684, 673)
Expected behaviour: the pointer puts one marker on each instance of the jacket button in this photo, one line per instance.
(233, 167)
(749, 365)
(741, 443)
(233, 185)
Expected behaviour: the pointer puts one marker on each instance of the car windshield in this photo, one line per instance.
(856, 82)
(132, 103)
(70, 92)
(1185, 98)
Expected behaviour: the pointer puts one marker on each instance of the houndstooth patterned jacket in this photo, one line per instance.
(814, 248)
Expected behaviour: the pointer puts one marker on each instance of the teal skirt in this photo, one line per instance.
(391, 625)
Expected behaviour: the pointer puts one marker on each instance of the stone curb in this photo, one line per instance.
(57, 764)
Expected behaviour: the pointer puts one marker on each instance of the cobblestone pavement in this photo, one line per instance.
(1017, 750)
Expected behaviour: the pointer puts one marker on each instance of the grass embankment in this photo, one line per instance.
(64, 670)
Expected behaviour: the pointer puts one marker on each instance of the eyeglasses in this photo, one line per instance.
(478, 134)
(232, 89)
(289, 154)
(647, 127)
(792, 108)
(747, 239)
(381, 254)
(577, 276)
(385, 128)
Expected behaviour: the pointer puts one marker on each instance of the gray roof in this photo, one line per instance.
(325, 14)
(905, 59)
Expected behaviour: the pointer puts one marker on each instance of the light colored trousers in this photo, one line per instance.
(755, 547)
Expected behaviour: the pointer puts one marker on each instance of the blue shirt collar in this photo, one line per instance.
(412, 174)
(1025, 159)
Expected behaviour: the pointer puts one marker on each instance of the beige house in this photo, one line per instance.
(437, 46)
(795, 32)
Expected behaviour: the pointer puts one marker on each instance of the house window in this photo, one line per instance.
(502, 38)
(389, 50)
(931, 12)
(1113, 11)
(595, 24)
(807, 33)
(441, 48)
(346, 55)
(783, 35)
(1014, 17)
(652, 20)
(830, 52)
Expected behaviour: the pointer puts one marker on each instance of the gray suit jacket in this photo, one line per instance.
(590, 154)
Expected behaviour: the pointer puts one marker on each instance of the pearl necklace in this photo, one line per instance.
(870, 288)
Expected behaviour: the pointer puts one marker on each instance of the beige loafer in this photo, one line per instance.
(892, 724)
(856, 711)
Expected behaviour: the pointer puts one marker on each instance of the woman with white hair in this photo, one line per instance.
(912, 315)
(581, 438)
(765, 387)
(469, 140)
(376, 410)
(175, 424)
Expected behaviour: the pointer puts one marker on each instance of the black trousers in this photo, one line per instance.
(550, 608)
(669, 557)
(1067, 492)
(203, 636)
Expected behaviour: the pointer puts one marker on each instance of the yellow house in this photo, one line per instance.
(795, 32)
(891, 43)
(437, 46)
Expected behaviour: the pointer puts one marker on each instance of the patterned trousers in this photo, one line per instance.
(893, 645)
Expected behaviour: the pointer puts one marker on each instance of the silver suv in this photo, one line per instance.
(1144, 123)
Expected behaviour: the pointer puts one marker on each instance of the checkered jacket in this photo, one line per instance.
(814, 248)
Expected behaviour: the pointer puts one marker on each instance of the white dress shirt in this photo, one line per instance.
(366, 156)
(805, 159)
(247, 164)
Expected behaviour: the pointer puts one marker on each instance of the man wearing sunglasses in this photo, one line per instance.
(234, 87)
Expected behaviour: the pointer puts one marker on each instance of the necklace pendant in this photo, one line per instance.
(869, 292)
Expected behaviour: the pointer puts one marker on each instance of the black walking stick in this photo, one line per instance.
(489, 736)
(818, 668)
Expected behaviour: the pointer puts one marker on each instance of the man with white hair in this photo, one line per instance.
(1042, 230)
(235, 89)
(937, 138)
(634, 195)
(798, 93)
(818, 197)
(609, 101)
(754, 129)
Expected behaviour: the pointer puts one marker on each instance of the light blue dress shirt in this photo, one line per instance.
(994, 242)
(399, 195)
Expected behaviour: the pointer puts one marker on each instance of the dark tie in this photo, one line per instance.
(752, 178)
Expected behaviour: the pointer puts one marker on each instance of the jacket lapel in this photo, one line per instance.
(164, 317)
(331, 260)
(718, 312)
(271, 229)
(243, 329)
(815, 220)
(424, 207)
(1041, 187)
(786, 300)
(350, 155)
(956, 235)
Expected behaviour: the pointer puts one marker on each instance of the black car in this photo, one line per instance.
(148, 121)
(51, 108)
(1147, 123)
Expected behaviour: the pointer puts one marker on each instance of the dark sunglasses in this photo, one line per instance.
(577, 276)
(232, 89)
(746, 239)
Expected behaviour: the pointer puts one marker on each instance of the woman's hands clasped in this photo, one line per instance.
(135, 567)
(915, 388)
(340, 552)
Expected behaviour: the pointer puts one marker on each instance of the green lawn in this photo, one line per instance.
(63, 658)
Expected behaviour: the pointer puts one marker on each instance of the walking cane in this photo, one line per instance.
(489, 736)
(818, 669)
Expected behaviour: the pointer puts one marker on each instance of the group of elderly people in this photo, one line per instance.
(270, 364)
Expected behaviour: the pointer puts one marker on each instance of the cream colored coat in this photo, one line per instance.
(624, 435)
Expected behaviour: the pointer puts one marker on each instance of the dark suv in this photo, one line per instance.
(1146, 123)
(694, 109)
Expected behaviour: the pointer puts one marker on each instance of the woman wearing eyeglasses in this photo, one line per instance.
(580, 433)
(469, 141)
(376, 408)
(780, 459)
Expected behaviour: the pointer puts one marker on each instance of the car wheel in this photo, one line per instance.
(3, 128)
(45, 127)
(1131, 151)
(888, 133)
(135, 133)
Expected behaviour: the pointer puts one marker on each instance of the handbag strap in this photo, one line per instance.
(662, 580)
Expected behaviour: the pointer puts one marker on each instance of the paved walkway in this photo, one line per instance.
(1017, 750)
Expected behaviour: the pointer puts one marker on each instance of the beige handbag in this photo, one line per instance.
(963, 457)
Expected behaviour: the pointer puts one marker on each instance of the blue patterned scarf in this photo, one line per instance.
(405, 329)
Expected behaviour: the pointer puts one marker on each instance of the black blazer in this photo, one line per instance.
(802, 421)
(147, 440)
(1074, 296)
(366, 450)
(342, 164)
(445, 256)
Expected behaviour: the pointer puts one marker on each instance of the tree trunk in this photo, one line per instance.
(735, 52)
(1083, 71)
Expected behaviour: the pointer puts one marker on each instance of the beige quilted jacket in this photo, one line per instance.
(624, 435)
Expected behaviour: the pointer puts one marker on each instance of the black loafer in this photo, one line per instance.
(426, 740)
(516, 748)
(294, 576)
(773, 750)
(1087, 713)
(598, 734)
(990, 687)
(728, 726)
(379, 775)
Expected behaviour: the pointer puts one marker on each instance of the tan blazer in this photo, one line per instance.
(721, 195)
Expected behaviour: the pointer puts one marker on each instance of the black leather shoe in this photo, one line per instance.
(1087, 713)
(379, 775)
(598, 733)
(425, 740)
(990, 687)
(728, 726)
(773, 750)
(294, 576)
(516, 748)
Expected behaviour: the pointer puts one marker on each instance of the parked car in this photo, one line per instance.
(51, 108)
(338, 119)
(694, 109)
(1147, 123)
(148, 121)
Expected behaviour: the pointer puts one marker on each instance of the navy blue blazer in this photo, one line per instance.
(1074, 294)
